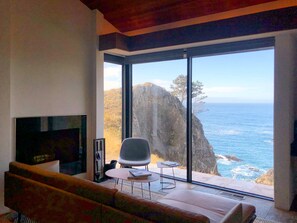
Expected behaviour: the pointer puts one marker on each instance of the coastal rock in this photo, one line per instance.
(254, 169)
(161, 118)
(233, 158)
(266, 178)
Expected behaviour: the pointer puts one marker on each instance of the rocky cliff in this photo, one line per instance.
(161, 118)
(267, 178)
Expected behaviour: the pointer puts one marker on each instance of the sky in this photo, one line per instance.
(231, 78)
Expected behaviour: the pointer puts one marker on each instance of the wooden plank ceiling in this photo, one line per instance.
(129, 15)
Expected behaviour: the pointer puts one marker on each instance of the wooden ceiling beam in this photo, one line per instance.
(128, 15)
(264, 22)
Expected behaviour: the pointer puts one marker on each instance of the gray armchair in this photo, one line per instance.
(135, 152)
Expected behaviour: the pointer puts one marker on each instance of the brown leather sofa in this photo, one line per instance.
(46, 196)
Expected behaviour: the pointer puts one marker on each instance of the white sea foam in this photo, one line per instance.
(246, 171)
(266, 132)
(223, 160)
(270, 142)
(226, 160)
(229, 132)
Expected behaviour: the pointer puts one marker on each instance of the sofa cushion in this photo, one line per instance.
(155, 211)
(213, 206)
(65, 182)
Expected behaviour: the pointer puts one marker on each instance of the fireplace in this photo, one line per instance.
(44, 139)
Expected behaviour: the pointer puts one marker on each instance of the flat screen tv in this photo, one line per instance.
(44, 139)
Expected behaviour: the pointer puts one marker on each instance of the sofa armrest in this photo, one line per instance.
(43, 203)
(234, 215)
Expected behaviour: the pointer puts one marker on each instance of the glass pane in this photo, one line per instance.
(159, 111)
(236, 115)
(112, 110)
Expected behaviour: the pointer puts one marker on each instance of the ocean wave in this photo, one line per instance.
(270, 142)
(265, 132)
(224, 161)
(246, 171)
(228, 132)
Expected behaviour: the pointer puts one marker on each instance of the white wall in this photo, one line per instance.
(49, 68)
(284, 116)
(5, 125)
(51, 49)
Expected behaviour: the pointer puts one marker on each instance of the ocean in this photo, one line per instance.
(241, 130)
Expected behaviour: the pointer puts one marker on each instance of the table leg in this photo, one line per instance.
(116, 182)
(122, 185)
(149, 184)
(161, 177)
(132, 184)
(174, 183)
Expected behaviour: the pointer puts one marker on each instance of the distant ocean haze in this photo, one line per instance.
(244, 131)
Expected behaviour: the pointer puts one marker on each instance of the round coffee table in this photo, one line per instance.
(124, 174)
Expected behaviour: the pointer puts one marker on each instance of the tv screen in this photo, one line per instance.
(43, 139)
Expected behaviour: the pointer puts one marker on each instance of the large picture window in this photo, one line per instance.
(208, 108)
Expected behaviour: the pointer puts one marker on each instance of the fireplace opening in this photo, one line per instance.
(44, 139)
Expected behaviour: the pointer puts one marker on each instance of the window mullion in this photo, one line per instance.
(189, 119)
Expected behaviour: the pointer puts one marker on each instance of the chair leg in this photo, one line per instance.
(19, 217)
(141, 190)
